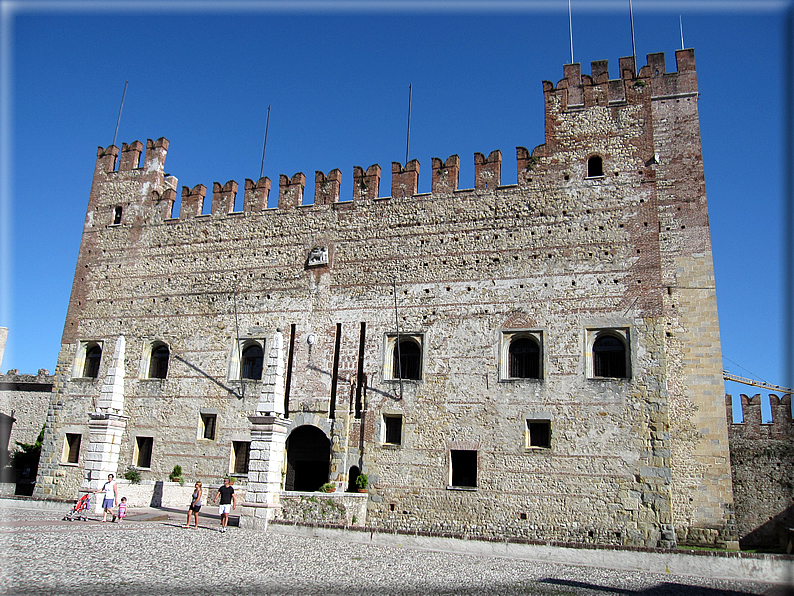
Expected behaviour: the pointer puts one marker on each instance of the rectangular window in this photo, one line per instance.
(143, 452)
(240, 452)
(539, 433)
(393, 429)
(208, 426)
(71, 448)
(464, 468)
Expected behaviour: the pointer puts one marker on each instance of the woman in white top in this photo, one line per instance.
(111, 496)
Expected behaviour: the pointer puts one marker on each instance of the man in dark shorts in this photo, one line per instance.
(226, 494)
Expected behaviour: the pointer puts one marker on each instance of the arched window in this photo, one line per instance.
(609, 357)
(253, 356)
(407, 360)
(524, 355)
(93, 355)
(595, 167)
(158, 363)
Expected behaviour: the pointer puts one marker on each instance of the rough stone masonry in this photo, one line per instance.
(539, 360)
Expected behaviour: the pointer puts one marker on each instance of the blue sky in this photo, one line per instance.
(336, 75)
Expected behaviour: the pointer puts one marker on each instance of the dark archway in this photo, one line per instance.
(308, 459)
(352, 475)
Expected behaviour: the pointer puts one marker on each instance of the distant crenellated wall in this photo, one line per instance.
(762, 462)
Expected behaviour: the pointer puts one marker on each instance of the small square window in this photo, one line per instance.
(392, 429)
(240, 453)
(71, 448)
(208, 426)
(538, 434)
(463, 463)
(143, 452)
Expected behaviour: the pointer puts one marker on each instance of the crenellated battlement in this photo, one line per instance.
(550, 163)
(781, 426)
(576, 90)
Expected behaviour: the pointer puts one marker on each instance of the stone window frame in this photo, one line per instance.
(235, 357)
(537, 417)
(383, 433)
(234, 456)
(146, 360)
(70, 441)
(206, 414)
(592, 334)
(78, 366)
(506, 338)
(141, 440)
(390, 345)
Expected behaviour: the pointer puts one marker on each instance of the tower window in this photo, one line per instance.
(609, 353)
(524, 358)
(117, 216)
(253, 357)
(595, 167)
(404, 359)
(158, 363)
(392, 429)
(93, 356)
(240, 454)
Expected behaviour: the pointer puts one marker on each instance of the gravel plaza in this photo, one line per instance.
(151, 553)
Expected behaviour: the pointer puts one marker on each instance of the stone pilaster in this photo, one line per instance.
(268, 440)
(106, 426)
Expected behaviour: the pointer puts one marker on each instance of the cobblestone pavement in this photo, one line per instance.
(45, 555)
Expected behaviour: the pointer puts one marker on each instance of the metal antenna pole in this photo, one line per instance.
(264, 146)
(681, 26)
(408, 140)
(397, 324)
(118, 120)
(633, 48)
(570, 28)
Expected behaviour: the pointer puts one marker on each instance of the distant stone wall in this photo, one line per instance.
(762, 461)
(26, 398)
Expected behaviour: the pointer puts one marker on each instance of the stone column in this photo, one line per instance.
(106, 426)
(268, 438)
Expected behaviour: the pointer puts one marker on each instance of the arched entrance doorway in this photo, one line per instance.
(308, 459)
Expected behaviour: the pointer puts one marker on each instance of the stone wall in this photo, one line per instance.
(762, 462)
(345, 509)
(26, 399)
(605, 234)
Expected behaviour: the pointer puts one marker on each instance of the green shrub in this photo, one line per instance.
(132, 475)
(176, 475)
(327, 488)
(362, 481)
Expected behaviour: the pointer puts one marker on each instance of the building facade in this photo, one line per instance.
(537, 360)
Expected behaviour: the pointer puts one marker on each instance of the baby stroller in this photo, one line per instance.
(80, 509)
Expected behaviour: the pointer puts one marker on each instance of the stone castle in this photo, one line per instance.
(539, 360)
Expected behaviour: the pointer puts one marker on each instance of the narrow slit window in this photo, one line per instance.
(208, 422)
(93, 356)
(240, 453)
(158, 364)
(117, 216)
(72, 448)
(143, 448)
